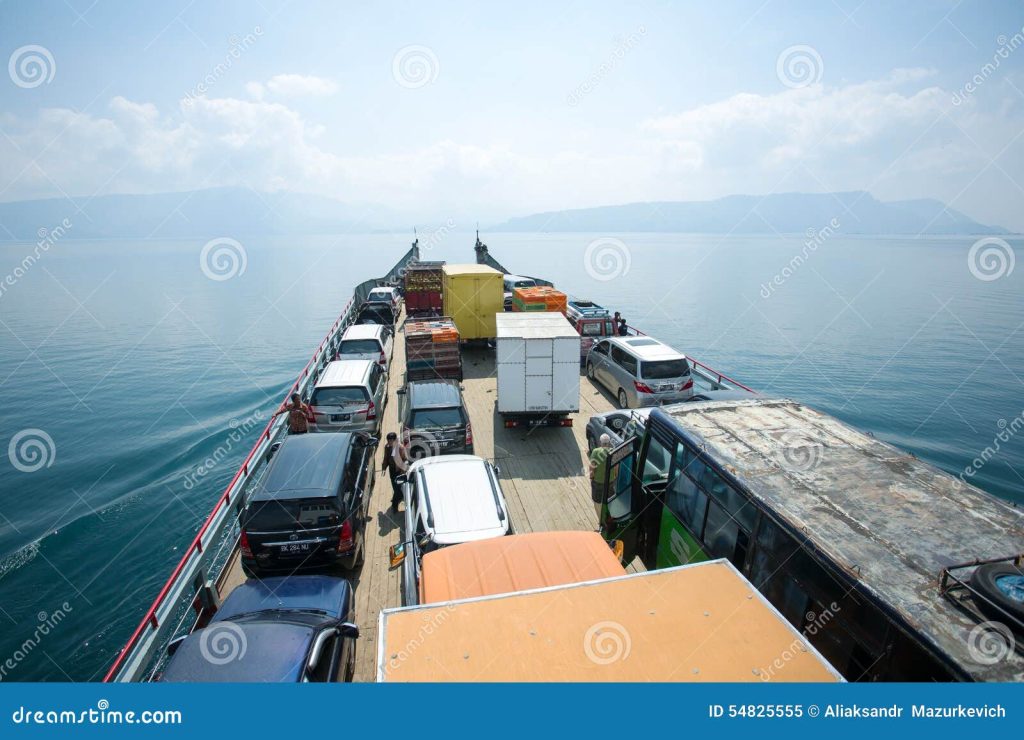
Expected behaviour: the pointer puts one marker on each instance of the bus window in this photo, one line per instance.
(724, 538)
(686, 501)
(656, 461)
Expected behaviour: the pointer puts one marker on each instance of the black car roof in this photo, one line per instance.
(306, 465)
(425, 394)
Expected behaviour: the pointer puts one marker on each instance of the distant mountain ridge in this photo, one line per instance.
(238, 212)
(857, 212)
(194, 214)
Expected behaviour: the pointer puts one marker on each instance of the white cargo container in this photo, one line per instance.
(538, 369)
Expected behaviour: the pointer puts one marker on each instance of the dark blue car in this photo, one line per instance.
(287, 629)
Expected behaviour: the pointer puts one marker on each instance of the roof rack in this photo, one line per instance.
(958, 590)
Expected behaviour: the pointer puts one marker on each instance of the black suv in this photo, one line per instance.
(309, 509)
(435, 416)
(375, 313)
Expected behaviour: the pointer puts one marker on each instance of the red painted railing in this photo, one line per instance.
(150, 621)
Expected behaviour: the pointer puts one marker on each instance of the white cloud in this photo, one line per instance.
(900, 137)
(290, 85)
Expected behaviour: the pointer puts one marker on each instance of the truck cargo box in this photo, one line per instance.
(423, 285)
(473, 295)
(694, 623)
(538, 365)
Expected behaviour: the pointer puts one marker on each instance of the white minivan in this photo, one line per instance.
(367, 342)
(449, 500)
(640, 371)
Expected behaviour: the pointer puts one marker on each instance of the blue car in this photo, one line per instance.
(286, 629)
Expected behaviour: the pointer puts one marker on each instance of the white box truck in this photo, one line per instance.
(538, 369)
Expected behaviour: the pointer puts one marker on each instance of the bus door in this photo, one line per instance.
(667, 502)
(617, 520)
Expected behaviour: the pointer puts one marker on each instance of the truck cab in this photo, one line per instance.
(591, 321)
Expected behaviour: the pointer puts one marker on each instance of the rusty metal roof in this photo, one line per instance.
(891, 522)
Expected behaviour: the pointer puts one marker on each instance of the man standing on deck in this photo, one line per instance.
(597, 472)
(299, 415)
(396, 462)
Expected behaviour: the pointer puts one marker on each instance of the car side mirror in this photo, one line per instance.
(373, 441)
(173, 645)
(396, 554)
(318, 647)
(348, 629)
(400, 392)
(401, 479)
(497, 471)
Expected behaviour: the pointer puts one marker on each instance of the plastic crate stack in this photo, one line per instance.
(541, 298)
(432, 349)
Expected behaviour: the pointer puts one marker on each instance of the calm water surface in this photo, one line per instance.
(138, 367)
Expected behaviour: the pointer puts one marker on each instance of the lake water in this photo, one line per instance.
(138, 366)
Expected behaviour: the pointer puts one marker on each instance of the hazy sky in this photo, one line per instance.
(491, 110)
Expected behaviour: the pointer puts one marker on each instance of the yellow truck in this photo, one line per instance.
(702, 622)
(473, 296)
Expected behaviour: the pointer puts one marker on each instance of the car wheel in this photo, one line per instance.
(590, 442)
(361, 555)
(350, 669)
(590, 370)
(623, 400)
(995, 582)
(249, 572)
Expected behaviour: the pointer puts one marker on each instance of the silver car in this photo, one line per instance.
(367, 342)
(349, 396)
(640, 371)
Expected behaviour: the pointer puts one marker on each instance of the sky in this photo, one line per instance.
(492, 110)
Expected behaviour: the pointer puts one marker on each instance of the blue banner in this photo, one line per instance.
(473, 711)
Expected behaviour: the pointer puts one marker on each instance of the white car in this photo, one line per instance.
(367, 342)
(391, 296)
(449, 500)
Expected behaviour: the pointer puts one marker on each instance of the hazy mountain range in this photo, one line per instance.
(242, 212)
(856, 212)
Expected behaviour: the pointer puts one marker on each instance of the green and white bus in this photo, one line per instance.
(846, 535)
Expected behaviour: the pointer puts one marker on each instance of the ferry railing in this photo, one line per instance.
(188, 584)
(718, 381)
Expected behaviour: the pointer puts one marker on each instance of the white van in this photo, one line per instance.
(367, 342)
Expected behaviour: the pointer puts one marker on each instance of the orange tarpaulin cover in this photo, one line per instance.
(517, 563)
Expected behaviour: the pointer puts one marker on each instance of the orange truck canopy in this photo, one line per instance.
(702, 622)
(517, 563)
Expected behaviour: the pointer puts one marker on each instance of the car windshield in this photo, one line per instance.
(425, 418)
(379, 298)
(288, 514)
(524, 284)
(663, 369)
(359, 347)
(339, 396)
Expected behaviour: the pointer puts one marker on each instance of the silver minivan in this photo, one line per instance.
(367, 342)
(349, 396)
(640, 371)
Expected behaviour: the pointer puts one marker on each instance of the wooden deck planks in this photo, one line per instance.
(543, 477)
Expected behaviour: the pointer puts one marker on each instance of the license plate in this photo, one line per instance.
(295, 548)
(338, 418)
